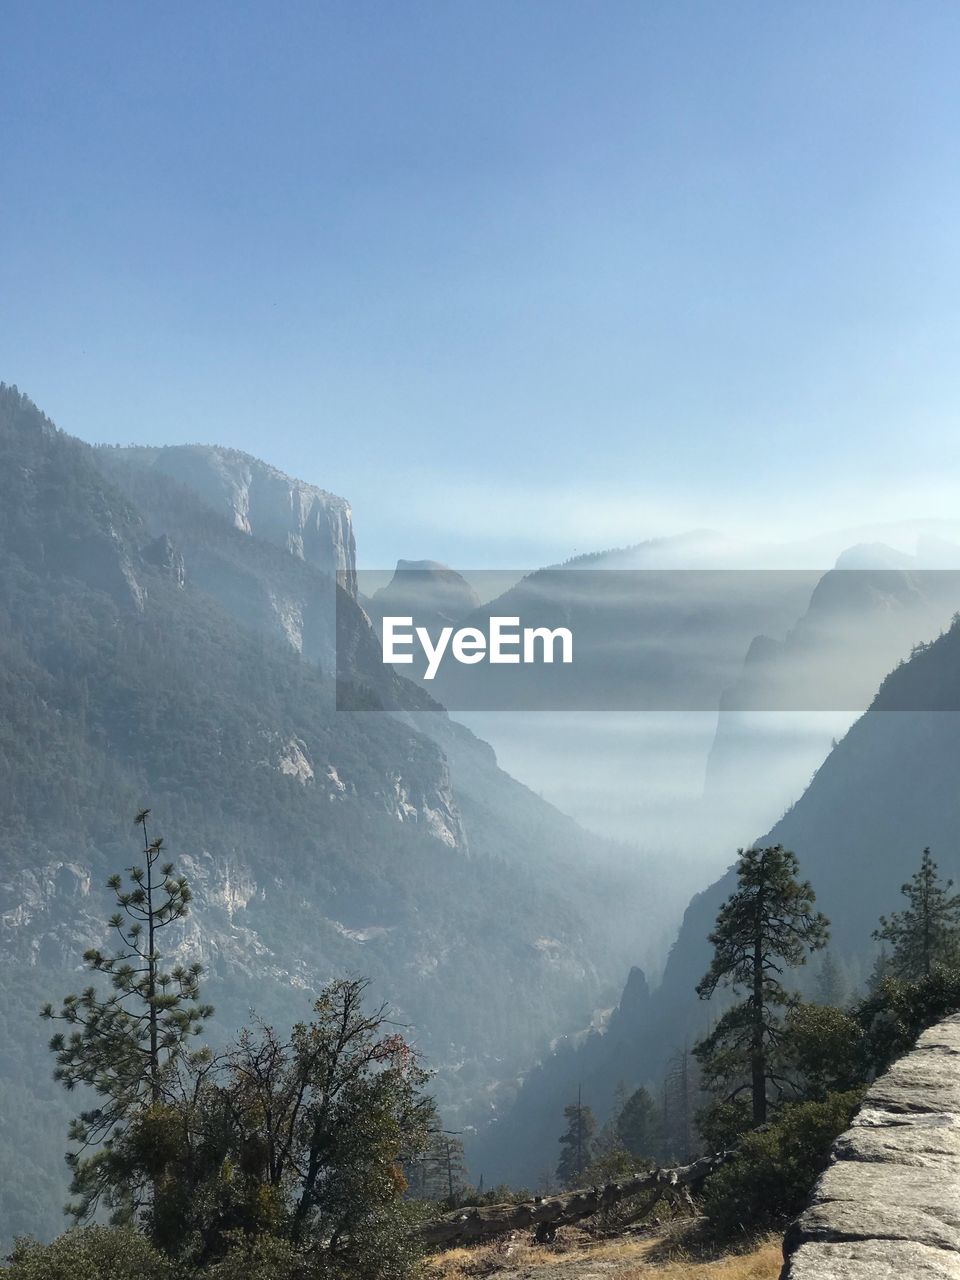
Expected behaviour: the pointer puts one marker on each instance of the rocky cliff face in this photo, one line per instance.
(886, 1207)
(312, 524)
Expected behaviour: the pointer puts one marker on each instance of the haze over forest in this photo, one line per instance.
(637, 320)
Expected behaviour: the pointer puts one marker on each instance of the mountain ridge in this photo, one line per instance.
(886, 790)
(319, 842)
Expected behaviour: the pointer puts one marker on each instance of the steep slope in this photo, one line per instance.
(798, 693)
(260, 581)
(317, 842)
(310, 523)
(283, 597)
(887, 789)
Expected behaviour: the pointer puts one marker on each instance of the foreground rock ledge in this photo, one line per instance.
(889, 1204)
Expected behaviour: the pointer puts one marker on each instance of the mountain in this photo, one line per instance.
(166, 629)
(886, 790)
(431, 592)
(265, 546)
(310, 523)
(768, 666)
(797, 693)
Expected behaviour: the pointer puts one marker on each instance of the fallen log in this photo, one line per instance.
(473, 1224)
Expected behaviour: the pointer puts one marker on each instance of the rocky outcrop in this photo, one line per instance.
(310, 523)
(432, 594)
(162, 553)
(889, 1204)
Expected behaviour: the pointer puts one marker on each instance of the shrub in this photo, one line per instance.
(895, 1014)
(770, 1179)
(721, 1125)
(825, 1048)
(89, 1253)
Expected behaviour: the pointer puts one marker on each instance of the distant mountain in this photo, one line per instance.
(645, 638)
(695, 549)
(427, 590)
(886, 790)
(890, 787)
(166, 633)
(797, 693)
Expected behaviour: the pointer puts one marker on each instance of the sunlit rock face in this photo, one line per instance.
(312, 524)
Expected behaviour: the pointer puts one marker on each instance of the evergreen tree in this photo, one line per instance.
(637, 1124)
(832, 987)
(127, 1045)
(766, 926)
(440, 1172)
(608, 1141)
(577, 1143)
(927, 933)
(681, 1095)
(880, 969)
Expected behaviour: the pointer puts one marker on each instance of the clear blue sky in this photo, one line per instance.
(515, 278)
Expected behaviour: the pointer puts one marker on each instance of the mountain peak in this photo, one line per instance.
(431, 592)
(874, 555)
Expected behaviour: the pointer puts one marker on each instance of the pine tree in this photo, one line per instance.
(440, 1171)
(577, 1143)
(681, 1098)
(637, 1124)
(127, 1045)
(608, 1141)
(927, 933)
(766, 926)
(832, 987)
(880, 969)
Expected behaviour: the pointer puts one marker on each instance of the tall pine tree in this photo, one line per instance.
(638, 1124)
(927, 933)
(768, 925)
(125, 1045)
(577, 1142)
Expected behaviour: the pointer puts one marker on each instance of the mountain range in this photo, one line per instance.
(167, 624)
(887, 789)
(172, 625)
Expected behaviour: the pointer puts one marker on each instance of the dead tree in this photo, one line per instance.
(546, 1214)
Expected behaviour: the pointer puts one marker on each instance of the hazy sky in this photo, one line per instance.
(516, 278)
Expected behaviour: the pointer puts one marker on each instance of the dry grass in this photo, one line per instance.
(574, 1255)
(503, 1259)
(763, 1262)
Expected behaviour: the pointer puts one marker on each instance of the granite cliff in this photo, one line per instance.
(310, 523)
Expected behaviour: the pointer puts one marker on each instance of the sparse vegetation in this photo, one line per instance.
(681, 1254)
(281, 1156)
(769, 1179)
